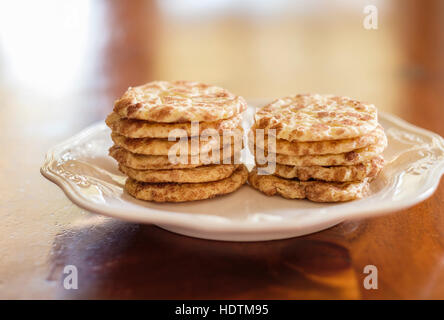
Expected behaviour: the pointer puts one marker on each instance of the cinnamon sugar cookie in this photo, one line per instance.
(181, 192)
(178, 101)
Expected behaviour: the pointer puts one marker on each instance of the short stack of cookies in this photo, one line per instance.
(168, 140)
(318, 147)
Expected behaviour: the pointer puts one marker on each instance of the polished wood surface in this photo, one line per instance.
(61, 69)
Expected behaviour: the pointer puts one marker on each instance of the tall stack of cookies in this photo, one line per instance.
(178, 141)
(320, 147)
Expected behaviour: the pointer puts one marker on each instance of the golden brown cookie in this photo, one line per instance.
(296, 148)
(341, 159)
(315, 117)
(154, 146)
(178, 101)
(366, 170)
(194, 175)
(181, 192)
(318, 191)
(148, 162)
(132, 128)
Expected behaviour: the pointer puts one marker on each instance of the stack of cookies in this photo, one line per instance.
(178, 141)
(319, 147)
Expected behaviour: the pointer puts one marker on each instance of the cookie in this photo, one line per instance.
(366, 170)
(315, 117)
(149, 162)
(193, 175)
(341, 159)
(317, 191)
(296, 148)
(154, 146)
(178, 101)
(181, 192)
(132, 128)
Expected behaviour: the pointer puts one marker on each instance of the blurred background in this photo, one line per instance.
(63, 63)
(74, 58)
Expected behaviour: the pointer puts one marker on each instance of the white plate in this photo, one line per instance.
(89, 177)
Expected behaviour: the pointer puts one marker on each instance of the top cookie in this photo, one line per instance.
(314, 117)
(178, 101)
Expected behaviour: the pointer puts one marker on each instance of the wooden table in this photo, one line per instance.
(61, 69)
